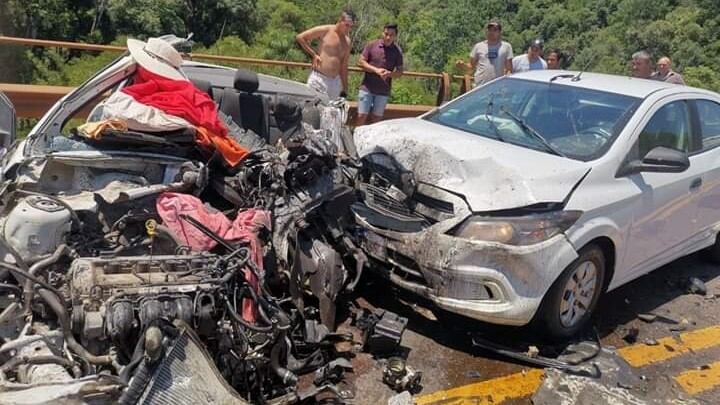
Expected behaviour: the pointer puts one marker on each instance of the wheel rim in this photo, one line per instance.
(578, 294)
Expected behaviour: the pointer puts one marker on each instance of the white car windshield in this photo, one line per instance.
(564, 120)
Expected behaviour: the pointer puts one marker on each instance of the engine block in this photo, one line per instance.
(116, 297)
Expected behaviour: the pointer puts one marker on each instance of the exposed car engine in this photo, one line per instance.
(104, 299)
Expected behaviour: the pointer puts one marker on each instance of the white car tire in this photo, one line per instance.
(570, 303)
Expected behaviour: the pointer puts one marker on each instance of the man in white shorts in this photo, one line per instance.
(330, 62)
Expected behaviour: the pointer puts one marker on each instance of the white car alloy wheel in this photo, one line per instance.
(578, 293)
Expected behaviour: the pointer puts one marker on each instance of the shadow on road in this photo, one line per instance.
(647, 293)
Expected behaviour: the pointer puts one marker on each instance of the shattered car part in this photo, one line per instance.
(403, 398)
(573, 365)
(696, 286)
(382, 331)
(615, 383)
(400, 377)
(332, 372)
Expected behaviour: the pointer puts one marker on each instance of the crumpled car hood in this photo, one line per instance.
(490, 175)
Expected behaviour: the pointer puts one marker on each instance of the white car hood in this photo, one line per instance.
(490, 174)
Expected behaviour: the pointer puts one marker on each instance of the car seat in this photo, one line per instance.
(250, 111)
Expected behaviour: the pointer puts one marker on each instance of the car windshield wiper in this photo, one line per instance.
(488, 114)
(535, 134)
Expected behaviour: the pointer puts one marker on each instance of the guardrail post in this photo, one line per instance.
(445, 91)
(466, 84)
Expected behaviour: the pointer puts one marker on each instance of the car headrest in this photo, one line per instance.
(246, 81)
(204, 86)
(285, 107)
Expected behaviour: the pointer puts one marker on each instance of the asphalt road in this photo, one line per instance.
(677, 353)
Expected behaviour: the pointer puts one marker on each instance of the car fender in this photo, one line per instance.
(585, 231)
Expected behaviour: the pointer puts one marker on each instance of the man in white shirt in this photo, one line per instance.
(532, 60)
(491, 58)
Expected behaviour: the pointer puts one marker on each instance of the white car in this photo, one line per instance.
(530, 196)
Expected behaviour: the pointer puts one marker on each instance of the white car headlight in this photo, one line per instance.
(524, 230)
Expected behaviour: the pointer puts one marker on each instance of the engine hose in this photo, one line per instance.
(140, 380)
(20, 263)
(244, 259)
(164, 230)
(286, 376)
(54, 302)
(27, 276)
(36, 268)
(136, 358)
(244, 323)
(360, 261)
(262, 305)
(8, 312)
(12, 287)
(37, 360)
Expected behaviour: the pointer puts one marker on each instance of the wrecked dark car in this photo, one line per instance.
(140, 267)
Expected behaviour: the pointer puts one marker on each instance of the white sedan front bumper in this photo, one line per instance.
(488, 281)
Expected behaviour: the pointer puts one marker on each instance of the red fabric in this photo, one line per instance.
(182, 99)
(245, 227)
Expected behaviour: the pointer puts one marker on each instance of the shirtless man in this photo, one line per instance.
(330, 65)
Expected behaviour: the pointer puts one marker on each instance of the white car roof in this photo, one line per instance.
(629, 86)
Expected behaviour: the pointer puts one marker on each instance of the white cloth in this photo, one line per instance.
(140, 117)
(332, 86)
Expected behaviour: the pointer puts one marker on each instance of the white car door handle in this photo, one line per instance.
(696, 183)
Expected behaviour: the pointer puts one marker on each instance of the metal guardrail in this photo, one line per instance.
(32, 101)
(444, 91)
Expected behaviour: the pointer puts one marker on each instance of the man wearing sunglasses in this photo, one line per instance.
(490, 58)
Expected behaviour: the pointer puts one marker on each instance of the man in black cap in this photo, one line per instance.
(532, 60)
(491, 58)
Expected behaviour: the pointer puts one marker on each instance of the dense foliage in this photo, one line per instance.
(598, 35)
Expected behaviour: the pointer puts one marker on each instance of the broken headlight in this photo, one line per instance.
(521, 231)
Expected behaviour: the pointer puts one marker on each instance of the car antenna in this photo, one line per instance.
(587, 65)
(561, 76)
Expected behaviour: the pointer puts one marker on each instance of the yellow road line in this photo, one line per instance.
(641, 355)
(697, 381)
(521, 385)
(493, 391)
